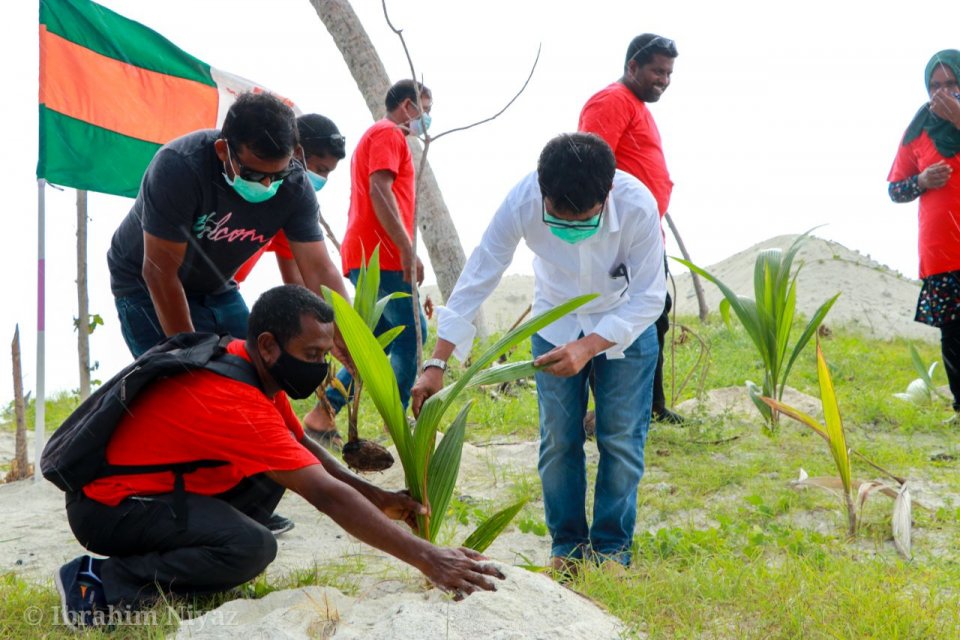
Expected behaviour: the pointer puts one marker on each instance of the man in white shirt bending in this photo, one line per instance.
(593, 229)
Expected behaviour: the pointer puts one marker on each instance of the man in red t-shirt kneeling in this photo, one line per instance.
(211, 537)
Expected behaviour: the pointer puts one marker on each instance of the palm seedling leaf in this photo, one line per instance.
(484, 535)
(834, 424)
(443, 469)
(374, 369)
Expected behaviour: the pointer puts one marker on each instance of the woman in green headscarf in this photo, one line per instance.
(927, 166)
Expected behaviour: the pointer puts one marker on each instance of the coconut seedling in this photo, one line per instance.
(768, 319)
(358, 453)
(853, 492)
(431, 469)
(921, 390)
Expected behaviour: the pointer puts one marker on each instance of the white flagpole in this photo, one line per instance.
(41, 347)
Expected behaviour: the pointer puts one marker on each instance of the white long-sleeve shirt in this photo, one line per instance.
(629, 235)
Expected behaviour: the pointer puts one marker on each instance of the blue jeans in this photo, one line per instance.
(402, 352)
(219, 313)
(624, 391)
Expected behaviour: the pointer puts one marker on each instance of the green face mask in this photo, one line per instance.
(570, 233)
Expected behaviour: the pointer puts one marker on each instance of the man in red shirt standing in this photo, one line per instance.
(382, 195)
(206, 532)
(619, 115)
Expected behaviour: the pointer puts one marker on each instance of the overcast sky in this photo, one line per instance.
(780, 117)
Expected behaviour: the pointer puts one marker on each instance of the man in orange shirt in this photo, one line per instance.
(322, 147)
(209, 535)
(383, 189)
(619, 115)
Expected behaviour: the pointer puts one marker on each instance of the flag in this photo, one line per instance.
(112, 92)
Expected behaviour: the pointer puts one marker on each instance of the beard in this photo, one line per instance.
(651, 94)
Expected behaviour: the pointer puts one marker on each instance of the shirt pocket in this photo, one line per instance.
(618, 279)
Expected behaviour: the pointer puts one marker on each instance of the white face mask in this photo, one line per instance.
(419, 125)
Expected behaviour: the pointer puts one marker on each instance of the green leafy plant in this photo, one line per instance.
(768, 319)
(922, 389)
(364, 455)
(431, 469)
(853, 492)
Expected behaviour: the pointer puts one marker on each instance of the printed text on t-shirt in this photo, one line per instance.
(218, 230)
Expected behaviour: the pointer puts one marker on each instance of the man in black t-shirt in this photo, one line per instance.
(208, 201)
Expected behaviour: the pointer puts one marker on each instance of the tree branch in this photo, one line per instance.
(507, 106)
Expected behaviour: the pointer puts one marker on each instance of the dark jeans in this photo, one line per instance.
(221, 544)
(950, 348)
(662, 324)
(217, 313)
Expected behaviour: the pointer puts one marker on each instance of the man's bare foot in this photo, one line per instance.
(320, 424)
(320, 419)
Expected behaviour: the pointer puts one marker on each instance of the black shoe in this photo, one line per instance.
(663, 414)
(277, 524)
(82, 601)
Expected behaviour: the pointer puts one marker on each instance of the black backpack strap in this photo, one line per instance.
(235, 368)
(179, 469)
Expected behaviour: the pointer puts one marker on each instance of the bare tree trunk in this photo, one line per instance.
(697, 287)
(21, 467)
(439, 233)
(83, 299)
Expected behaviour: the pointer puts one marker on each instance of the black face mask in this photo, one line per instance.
(298, 378)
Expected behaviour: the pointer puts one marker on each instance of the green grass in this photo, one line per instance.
(725, 547)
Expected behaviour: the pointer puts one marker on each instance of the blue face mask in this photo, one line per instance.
(249, 190)
(418, 129)
(316, 180)
(573, 235)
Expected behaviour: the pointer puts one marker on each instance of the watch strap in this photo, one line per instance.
(435, 362)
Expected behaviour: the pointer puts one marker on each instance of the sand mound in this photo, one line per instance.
(525, 605)
(875, 300)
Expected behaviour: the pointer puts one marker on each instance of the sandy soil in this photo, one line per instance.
(392, 600)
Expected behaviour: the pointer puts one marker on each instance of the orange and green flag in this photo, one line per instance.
(112, 92)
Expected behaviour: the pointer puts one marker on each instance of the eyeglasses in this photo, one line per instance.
(557, 223)
(259, 176)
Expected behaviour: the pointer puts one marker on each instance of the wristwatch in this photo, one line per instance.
(434, 362)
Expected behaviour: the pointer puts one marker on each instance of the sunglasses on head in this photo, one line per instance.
(258, 176)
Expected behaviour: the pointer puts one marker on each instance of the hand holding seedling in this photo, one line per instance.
(934, 176)
(340, 351)
(567, 360)
(428, 383)
(398, 505)
(458, 571)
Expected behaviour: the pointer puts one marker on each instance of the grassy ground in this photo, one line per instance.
(725, 547)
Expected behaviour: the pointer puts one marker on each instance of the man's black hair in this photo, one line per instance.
(279, 311)
(319, 136)
(575, 171)
(263, 124)
(402, 90)
(646, 45)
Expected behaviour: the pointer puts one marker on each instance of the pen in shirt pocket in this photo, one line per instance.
(621, 272)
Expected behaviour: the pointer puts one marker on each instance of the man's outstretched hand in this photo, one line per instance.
(460, 572)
